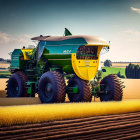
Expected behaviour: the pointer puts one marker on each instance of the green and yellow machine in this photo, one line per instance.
(57, 59)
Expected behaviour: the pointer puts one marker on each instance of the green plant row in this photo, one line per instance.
(4, 74)
(112, 70)
(132, 71)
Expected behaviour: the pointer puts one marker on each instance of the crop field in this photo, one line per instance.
(113, 70)
(131, 91)
(4, 65)
(119, 126)
(4, 74)
(116, 67)
(74, 121)
(121, 64)
(27, 118)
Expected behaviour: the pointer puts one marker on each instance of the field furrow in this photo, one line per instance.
(118, 126)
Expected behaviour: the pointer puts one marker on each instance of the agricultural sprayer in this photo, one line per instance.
(57, 60)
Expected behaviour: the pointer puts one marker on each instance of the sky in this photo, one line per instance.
(117, 21)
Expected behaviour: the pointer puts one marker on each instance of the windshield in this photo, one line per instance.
(87, 52)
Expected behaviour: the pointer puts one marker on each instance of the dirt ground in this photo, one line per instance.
(131, 91)
(119, 126)
(2, 87)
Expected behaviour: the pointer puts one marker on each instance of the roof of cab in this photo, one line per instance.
(94, 40)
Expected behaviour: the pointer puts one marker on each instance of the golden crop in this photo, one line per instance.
(48, 112)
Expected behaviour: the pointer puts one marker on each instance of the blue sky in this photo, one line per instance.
(118, 21)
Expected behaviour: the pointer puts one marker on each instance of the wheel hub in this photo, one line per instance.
(17, 88)
(48, 88)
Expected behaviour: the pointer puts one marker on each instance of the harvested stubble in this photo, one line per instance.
(4, 65)
(50, 112)
(19, 101)
(132, 90)
(3, 83)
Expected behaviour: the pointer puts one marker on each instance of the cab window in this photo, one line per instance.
(87, 52)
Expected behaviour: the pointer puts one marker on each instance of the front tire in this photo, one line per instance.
(111, 88)
(16, 86)
(84, 90)
(52, 87)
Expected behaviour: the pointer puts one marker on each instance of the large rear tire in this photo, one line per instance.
(111, 88)
(52, 87)
(84, 90)
(16, 86)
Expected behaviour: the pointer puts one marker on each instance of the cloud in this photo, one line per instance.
(132, 35)
(134, 32)
(125, 46)
(135, 9)
(9, 42)
(14, 39)
(4, 38)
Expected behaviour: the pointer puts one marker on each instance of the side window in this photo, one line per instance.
(41, 47)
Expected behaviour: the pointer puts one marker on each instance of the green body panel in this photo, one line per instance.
(61, 60)
(73, 89)
(31, 87)
(17, 61)
(58, 53)
(66, 43)
(64, 64)
(47, 56)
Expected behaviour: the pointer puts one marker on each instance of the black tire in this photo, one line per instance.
(52, 87)
(16, 86)
(84, 90)
(111, 88)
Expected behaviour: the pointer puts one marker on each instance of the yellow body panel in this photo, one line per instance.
(24, 53)
(86, 69)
